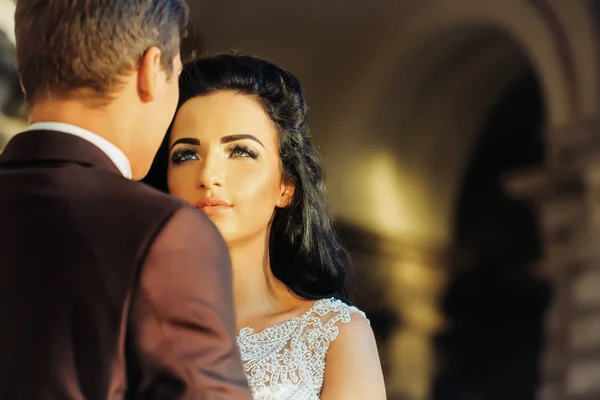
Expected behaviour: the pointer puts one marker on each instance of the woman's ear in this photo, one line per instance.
(286, 194)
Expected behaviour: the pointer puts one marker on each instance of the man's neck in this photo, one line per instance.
(98, 120)
(107, 123)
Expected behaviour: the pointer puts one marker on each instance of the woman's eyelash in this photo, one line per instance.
(185, 154)
(182, 155)
(242, 151)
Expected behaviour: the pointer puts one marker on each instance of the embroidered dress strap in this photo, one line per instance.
(287, 361)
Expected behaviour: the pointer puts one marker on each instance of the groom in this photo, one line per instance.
(108, 289)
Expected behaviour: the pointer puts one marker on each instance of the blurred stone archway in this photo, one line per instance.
(399, 92)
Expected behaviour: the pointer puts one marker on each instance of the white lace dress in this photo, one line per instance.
(287, 360)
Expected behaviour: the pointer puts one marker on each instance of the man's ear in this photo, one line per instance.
(149, 73)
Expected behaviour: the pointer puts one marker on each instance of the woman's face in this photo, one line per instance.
(224, 160)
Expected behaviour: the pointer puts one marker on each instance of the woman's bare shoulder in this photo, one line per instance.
(353, 369)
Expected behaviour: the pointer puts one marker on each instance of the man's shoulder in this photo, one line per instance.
(134, 205)
(140, 196)
(147, 200)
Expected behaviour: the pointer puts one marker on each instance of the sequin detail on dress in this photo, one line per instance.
(287, 360)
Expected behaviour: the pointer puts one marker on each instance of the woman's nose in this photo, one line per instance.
(211, 174)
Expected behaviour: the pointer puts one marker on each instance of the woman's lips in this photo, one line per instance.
(213, 205)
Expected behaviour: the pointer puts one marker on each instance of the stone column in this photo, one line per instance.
(418, 276)
(567, 193)
(402, 282)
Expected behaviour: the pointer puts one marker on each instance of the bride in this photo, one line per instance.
(239, 150)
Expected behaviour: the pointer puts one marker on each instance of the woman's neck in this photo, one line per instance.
(257, 292)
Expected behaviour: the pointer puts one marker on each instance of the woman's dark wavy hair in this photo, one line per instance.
(305, 252)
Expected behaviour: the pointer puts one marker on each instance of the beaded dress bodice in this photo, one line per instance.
(287, 360)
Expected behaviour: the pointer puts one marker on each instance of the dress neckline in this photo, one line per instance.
(249, 332)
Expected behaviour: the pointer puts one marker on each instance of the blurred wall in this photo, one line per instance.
(7, 20)
(11, 110)
(398, 92)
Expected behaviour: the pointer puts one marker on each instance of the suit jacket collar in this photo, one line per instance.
(38, 146)
(113, 152)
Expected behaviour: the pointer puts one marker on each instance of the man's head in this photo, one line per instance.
(121, 56)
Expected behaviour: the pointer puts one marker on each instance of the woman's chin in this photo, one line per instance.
(225, 231)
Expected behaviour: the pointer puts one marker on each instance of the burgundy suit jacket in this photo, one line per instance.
(108, 288)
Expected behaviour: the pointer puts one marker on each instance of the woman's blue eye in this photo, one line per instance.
(242, 151)
(183, 155)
